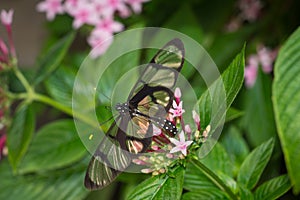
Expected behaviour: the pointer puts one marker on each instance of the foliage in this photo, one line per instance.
(47, 160)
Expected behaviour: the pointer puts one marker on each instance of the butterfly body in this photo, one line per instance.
(145, 110)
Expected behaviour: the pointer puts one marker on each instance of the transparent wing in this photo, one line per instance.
(163, 68)
(109, 160)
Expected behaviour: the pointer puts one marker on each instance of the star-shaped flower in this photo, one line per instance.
(177, 110)
(180, 145)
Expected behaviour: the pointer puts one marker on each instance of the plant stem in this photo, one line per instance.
(61, 107)
(213, 177)
(21, 77)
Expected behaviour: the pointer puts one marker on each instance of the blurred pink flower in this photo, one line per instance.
(251, 70)
(100, 41)
(177, 93)
(266, 57)
(250, 9)
(119, 6)
(109, 25)
(6, 20)
(84, 13)
(233, 25)
(136, 5)
(180, 145)
(177, 110)
(97, 13)
(6, 17)
(51, 7)
(196, 118)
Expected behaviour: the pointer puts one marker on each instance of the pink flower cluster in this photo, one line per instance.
(7, 52)
(97, 13)
(249, 10)
(264, 58)
(164, 148)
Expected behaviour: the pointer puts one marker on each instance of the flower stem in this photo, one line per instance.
(213, 177)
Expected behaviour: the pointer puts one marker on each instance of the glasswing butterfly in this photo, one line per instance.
(147, 106)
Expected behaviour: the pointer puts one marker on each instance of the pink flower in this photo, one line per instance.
(51, 7)
(119, 6)
(109, 25)
(100, 41)
(4, 51)
(177, 110)
(196, 117)
(136, 5)
(250, 75)
(250, 9)
(187, 129)
(156, 130)
(84, 13)
(6, 17)
(180, 145)
(266, 57)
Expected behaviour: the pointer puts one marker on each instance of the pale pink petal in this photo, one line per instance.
(177, 93)
(175, 149)
(188, 143)
(174, 141)
(184, 151)
(196, 117)
(174, 104)
(156, 130)
(7, 17)
(100, 41)
(181, 137)
(187, 129)
(51, 7)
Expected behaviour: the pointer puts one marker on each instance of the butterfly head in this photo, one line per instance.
(122, 108)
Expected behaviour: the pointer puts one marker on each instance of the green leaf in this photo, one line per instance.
(207, 194)
(55, 145)
(60, 85)
(236, 147)
(20, 134)
(273, 188)
(218, 160)
(286, 98)
(196, 180)
(258, 109)
(232, 114)
(53, 57)
(254, 164)
(213, 103)
(64, 184)
(160, 187)
(245, 193)
(231, 81)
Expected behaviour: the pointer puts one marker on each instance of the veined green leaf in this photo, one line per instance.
(232, 114)
(54, 146)
(273, 188)
(236, 147)
(158, 187)
(207, 194)
(53, 57)
(64, 184)
(286, 98)
(20, 134)
(254, 164)
(214, 102)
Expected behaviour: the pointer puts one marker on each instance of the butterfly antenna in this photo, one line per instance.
(109, 119)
